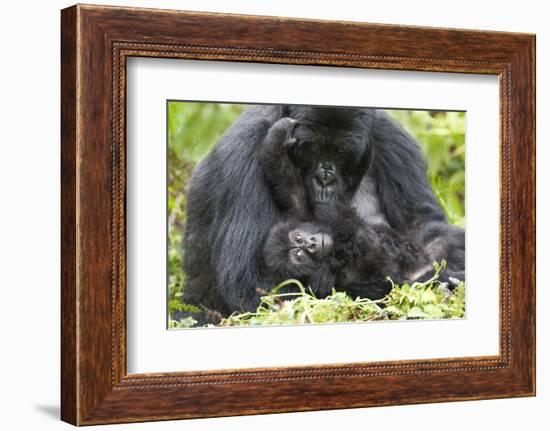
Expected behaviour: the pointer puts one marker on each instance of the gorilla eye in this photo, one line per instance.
(309, 147)
(315, 150)
(298, 256)
(345, 155)
(296, 237)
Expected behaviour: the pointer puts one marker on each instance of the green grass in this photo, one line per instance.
(428, 300)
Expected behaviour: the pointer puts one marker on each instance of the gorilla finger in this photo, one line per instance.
(282, 129)
(290, 125)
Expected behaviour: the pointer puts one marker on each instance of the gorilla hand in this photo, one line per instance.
(279, 137)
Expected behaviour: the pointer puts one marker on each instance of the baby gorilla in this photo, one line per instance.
(342, 252)
(327, 245)
(299, 250)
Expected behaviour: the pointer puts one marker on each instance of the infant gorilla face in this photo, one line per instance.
(294, 250)
(332, 150)
(306, 245)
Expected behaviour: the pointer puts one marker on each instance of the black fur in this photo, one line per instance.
(360, 259)
(342, 155)
(336, 248)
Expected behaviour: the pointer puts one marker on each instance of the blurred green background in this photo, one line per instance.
(194, 128)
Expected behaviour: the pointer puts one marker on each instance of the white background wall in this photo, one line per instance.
(29, 215)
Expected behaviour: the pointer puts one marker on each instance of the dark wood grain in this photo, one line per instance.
(96, 41)
(68, 217)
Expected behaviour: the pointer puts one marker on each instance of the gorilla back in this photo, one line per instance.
(230, 207)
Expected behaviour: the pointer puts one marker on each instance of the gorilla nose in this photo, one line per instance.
(325, 173)
(312, 247)
(327, 166)
(320, 243)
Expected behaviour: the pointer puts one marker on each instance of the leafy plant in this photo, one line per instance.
(428, 300)
(441, 136)
(186, 322)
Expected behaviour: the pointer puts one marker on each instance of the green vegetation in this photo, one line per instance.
(429, 300)
(194, 128)
(441, 137)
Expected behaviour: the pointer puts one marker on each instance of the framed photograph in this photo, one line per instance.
(264, 215)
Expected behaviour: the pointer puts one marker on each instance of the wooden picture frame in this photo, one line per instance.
(95, 43)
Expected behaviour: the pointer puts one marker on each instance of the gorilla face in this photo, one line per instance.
(332, 150)
(306, 245)
(296, 250)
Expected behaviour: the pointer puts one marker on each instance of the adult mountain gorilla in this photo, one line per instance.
(342, 154)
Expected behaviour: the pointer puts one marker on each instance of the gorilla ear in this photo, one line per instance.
(284, 111)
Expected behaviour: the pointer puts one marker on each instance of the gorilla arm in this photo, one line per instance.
(280, 174)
